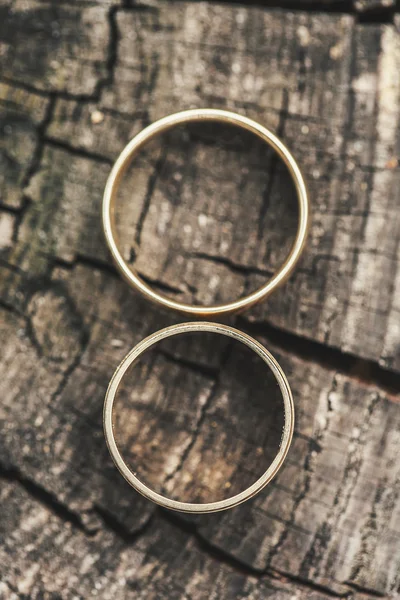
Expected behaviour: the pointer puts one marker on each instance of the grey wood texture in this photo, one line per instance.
(199, 418)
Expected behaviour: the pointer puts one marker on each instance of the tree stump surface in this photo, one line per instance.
(205, 214)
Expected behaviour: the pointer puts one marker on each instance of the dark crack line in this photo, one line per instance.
(13, 210)
(379, 15)
(109, 269)
(195, 434)
(139, 6)
(11, 308)
(89, 262)
(313, 445)
(34, 165)
(385, 500)
(230, 264)
(100, 85)
(316, 553)
(44, 497)
(31, 89)
(84, 342)
(272, 171)
(365, 590)
(161, 285)
(51, 503)
(307, 583)
(76, 151)
(367, 372)
(111, 62)
(28, 327)
(202, 369)
(152, 182)
(48, 499)
(370, 524)
(224, 558)
(112, 52)
(112, 524)
(202, 416)
(376, 15)
(60, 510)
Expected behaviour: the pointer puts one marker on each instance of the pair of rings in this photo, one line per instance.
(133, 278)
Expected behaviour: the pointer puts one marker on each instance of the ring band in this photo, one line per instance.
(134, 355)
(163, 125)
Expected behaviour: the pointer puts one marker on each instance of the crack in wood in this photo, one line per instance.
(76, 151)
(152, 182)
(364, 590)
(376, 13)
(112, 53)
(205, 370)
(222, 557)
(315, 555)
(232, 265)
(314, 446)
(102, 324)
(368, 372)
(45, 498)
(274, 161)
(201, 418)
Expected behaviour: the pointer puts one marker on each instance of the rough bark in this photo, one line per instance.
(198, 419)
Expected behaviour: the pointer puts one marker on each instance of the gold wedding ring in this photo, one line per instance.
(144, 346)
(161, 126)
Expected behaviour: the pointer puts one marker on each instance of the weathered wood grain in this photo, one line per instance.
(21, 117)
(40, 45)
(198, 419)
(329, 87)
(305, 525)
(190, 422)
(44, 557)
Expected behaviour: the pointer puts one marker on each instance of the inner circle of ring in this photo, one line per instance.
(133, 356)
(163, 125)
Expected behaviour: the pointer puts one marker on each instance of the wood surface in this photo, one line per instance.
(205, 215)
